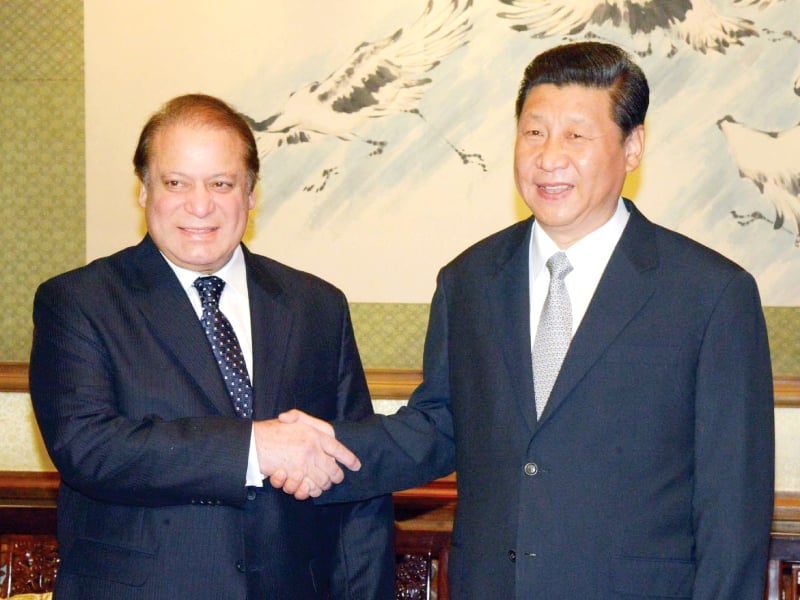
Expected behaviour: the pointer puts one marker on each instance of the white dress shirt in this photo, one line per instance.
(234, 303)
(588, 257)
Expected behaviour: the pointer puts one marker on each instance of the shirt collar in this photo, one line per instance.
(587, 250)
(233, 273)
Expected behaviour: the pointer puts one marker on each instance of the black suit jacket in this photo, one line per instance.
(137, 420)
(650, 472)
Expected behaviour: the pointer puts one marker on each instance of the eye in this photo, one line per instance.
(222, 185)
(533, 134)
(173, 184)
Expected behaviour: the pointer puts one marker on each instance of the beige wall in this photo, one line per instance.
(21, 446)
(22, 449)
(787, 449)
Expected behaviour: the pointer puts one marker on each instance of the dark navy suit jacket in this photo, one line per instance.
(650, 472)
(137, 420)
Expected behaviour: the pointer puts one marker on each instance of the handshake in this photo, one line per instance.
(300, 454)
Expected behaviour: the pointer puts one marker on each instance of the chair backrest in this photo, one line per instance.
(421, 567)
(28, 564)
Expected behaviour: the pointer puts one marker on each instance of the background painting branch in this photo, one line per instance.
(386, 129)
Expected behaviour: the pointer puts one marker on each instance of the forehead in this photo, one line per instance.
(187, 141)
(571, 101)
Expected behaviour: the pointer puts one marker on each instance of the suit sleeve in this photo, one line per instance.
(363, 563)
(414, 445)
(102, 452)
(734, 448)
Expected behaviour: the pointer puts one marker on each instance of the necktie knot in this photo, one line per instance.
(559, 266)
(210, 289)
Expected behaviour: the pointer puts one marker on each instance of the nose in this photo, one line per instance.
(551, 154)
(199, 202)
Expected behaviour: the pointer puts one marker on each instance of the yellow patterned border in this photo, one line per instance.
(393, 384)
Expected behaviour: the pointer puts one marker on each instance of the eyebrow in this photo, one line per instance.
(540, 116)
(229, 174)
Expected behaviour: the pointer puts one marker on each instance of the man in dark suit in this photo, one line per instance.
(162, 463)
(648, 470)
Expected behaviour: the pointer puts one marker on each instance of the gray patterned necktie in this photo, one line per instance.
(225, 345)
(554, 332)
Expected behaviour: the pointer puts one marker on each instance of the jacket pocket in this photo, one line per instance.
(90, 558)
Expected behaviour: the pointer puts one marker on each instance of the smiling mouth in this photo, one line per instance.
(555, 189)
(198, 230)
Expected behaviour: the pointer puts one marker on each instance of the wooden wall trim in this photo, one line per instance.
(787, 507)
(29, 488)
(13, 377)
(393, 384)
(440, 492)
(787, 390)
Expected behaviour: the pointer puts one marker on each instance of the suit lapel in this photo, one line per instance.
(509, 298)
(624, 288)
(271, 324)
(164, 304)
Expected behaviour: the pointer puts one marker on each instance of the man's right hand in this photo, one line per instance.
(299, 454)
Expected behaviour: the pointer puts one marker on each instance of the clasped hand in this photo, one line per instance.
(299, 454)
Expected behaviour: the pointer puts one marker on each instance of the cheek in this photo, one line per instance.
(161, 206)
(524, 162)
(152, 212)
(520, 180)
(589, 167)
(583, 157)
(237, 214)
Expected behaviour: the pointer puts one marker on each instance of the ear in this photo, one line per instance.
(142, 195)
(634, 148)
(251, 199)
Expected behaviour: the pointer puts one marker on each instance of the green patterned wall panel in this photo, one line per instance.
(42, 197)
(390, 335)
(784, 339)
(393, 335)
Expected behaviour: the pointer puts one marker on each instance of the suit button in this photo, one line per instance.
(251, 494)
(531, 469)
(240, 566)
(512, 556)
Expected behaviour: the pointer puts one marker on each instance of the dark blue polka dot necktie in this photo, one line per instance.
(225, 345)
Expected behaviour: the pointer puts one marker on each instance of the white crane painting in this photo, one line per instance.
(386, 129)
(771, 160)
(420, 115)
(380, 79)
(695, 23)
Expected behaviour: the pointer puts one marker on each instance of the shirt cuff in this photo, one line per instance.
(254, 476)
